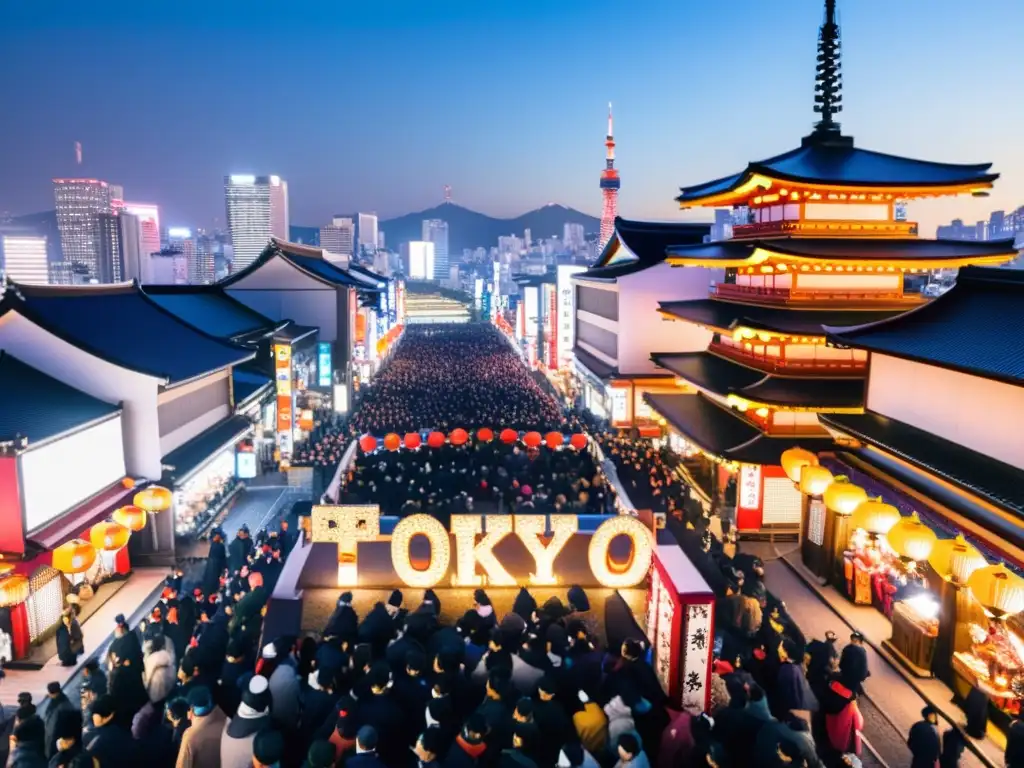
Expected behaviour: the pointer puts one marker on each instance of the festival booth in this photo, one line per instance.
(953, 614)
(610, 557)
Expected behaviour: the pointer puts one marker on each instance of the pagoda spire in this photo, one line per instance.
(828, 81)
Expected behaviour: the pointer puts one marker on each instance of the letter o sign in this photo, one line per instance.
(440, 551)
(643, 551)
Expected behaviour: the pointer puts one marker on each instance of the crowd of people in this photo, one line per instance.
(448, 376)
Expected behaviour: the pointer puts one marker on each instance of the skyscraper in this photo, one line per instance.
(181, 239)
(24, 258)
(149, 225)
(436, 231)
(609, 186)
(110, 268)
(573, 236)
(339, 237)
(130, 230)
(77, 202)
(257, 208)
(367, 232)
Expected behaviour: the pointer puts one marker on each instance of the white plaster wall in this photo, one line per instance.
(186, 432)
(983, 415)
(135, 391)
(643, 330)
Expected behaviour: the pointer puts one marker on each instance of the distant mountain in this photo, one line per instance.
(470, 229)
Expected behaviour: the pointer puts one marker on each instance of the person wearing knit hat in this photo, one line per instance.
(268, 749)
(200, 745)
(366, 750)
(320, 755)
(252, 717)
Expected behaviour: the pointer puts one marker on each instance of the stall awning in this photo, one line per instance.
(185, 460)
(88, 513)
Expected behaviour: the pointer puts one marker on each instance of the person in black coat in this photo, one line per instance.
(58, 706)
(126, 646)
(216, 561)
(344, 623)
(550, 716)
(239, 550)
(319, 703)
(69, 639)
(953, 746)
(128, 691)
(923, 740)
(235, 665)
(384, 713)
(412, 690)
(108, 742)
(367, 741)
(377, 629)
(853, 663)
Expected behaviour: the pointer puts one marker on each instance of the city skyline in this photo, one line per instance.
(675, 125)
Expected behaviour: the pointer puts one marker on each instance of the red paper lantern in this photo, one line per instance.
(485, 435)
(412, 440)
(578, 441)
(435, 439)
(368, 443)
(392, 441)
(459, 436)
(532, 439)
(509, 436)
(553, 439)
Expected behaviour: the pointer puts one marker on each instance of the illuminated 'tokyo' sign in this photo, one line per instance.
(478, 550)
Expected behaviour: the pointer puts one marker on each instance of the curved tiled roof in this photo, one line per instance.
(122, 325)
(38, 407)
(973, 328)
(842, 164)
(210, 309)
(311, 261)
(726, 315)
(647, 240)
(848, 249)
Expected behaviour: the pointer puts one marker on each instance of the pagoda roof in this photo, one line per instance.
(726, 315)
(724, 377)
(724, 433)
(992, 480)
(311, 261)
(125, 327)
(973, 328)
(836, 163)
(211, 309)
(637, 245)
(38, 407)
(908, 251)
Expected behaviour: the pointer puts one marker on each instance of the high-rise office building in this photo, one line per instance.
(436, 231)
(110, 268)
(167, 267)
(43, 224)
(149, 225)
(367, 232)
(24, 258)
(339, 237)
(573, 236)
(419, 260)
(380, 239)
(132, 265)
(180, 239)
(77, 203)
(257, 208)
(116, 197)
(208, 247)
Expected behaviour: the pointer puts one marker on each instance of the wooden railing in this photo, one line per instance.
(770, 364)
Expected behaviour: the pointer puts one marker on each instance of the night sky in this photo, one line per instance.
(377, 105)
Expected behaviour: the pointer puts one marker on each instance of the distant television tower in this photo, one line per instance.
(447, 193)
(609, 186)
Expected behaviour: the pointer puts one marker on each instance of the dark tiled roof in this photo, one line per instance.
(848, 249)
(974, 327)
(211, 310)
(998, 483)
(125, 327)
(183, 460)
(725, 433)
(647, 240)
(309, 260)
(597, 367)
(727, 315)
(845, 165)
(245, 383)
(724, 377)
(39, 407)
(293, 332)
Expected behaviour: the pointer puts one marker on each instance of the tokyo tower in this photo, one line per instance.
(609, 186)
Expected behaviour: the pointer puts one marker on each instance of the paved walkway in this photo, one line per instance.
(897, 698)
(142, 586)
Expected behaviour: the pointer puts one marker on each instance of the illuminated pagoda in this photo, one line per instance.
(823, 244)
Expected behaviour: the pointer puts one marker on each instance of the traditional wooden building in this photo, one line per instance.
(823, 242)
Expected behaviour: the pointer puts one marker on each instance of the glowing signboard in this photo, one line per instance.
(468, 549)
(324, 364)
(750, 486)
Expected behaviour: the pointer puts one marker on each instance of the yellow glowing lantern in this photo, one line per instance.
(814, 480)
(843, 496)
(131, 517)
(109, 536)
(6, 568)
(998, 589)
(875, 516)
(153, 499)
(912, 539)
(955, 559)
(13, 590)
(75, 556)
(794, 460)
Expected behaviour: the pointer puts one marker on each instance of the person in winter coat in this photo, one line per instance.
(158, 673)
(285, 690)
(200, 745)
(216, 561)
(69, 752)
(108, 741)
(318, 702)
(251, 718)
(56, 707)
(468, 749)
(573, 755)
(27, 746)
(630, 752)
(953, 746)
(344, 623)
(620, 720)
(320, 755)
(384, 713)
(923, 740)
(70, 642)
(792, 692)
(428, 748)
(127, 689)
(239, 550)
(366, 750)
(94, 685)
(853, 663)
(591, 724)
